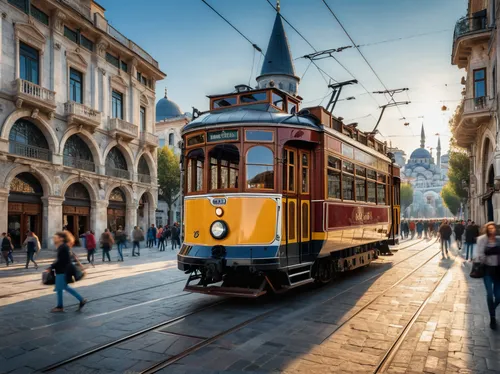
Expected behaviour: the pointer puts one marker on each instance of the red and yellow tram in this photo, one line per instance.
(276, 197)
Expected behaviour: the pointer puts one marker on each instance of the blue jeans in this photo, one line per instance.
(61, 285)
(120, 253)
(467, 247)
(492, 285)
(445, 244)
(134, 246)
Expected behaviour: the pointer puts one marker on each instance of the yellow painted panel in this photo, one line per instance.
(251, 220)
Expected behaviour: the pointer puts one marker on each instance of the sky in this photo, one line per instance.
(202, 55)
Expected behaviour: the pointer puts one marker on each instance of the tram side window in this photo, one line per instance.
(347, 187)
(260, 168)
(290, 175)
(381, 194)
(224, 166)
(372, 192)
(194, 173)
(304, 164)
(397, 196)
(360, 189)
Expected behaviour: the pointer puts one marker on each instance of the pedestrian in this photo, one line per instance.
(437, 224)
(426, 228)
(445, 235)
(151, 236)
(420, 229)
(120, 239)
(62, 240)
(6, 247)
(488, 250)
(32, 246)
(106, 244)
(161, 239)
(11, 255)
(90, 244)
(471, 234)
(175, 236)
(459, 232)
(412, 229)
(405, 229)
(168, 233)
(137, 237)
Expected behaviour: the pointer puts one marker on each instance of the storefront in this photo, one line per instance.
(76, 210)
(116, 209)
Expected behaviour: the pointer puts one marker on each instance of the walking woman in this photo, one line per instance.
(488, 250)
(62, 240)
(106, 244)
(32, 246)
(90, 244)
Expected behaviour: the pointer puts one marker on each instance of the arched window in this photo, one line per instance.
(77, 154)
(117, 195)
(194, 175)
(224, 166)
(143, 173)
(26, 183)
(116, 165)
(27, 140)
(171, 139)
(260, 168)
(77, 195)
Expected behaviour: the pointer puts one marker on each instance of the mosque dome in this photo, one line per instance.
(420, 153)
(166, 109)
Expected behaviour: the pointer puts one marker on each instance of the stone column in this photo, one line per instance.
(4, 208)
(131, 217)
(52, 219)
(144, 220)
(99, 216)
(152, 214)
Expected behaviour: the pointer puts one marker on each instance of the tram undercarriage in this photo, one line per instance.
(215, 277)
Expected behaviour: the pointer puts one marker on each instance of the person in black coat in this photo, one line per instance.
(62, 240)
(459, 232)
(471, 233)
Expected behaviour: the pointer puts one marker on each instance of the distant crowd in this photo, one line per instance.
(464, 232)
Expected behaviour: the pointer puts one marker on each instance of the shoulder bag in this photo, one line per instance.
(478, 270)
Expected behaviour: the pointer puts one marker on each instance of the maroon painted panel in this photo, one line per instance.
(340, 215)
(333, 144)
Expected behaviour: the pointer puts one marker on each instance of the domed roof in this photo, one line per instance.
(420, 153)
(166, 109)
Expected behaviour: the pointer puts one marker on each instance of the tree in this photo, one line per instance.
(458, 172)
(450, 198)
(406, 192)
(169, 177)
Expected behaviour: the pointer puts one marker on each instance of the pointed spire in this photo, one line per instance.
(165, 92)
(422, 137)
(439, 144)
(278, 59)
(278, 7)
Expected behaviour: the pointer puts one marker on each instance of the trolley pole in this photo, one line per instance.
(181, 190)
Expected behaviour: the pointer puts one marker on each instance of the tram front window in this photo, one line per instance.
(224, 167)
(260, 168)
(194, 176)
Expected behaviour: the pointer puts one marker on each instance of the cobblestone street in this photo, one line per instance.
(378, 319)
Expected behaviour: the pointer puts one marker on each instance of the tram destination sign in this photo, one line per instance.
(217, 136)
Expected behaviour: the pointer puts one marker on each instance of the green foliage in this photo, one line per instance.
(450, 198)
(169, 176)
(406, 192)
(458, 171)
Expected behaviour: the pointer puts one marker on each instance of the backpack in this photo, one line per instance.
(6, 244)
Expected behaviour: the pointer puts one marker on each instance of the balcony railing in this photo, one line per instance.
(143, 178)
(117, 173)
(30, 151)
(466, 26)
(130, 44)
(148, 138)
(123, 127)
(78, 163)
(477, 104)
(36, 91)
(82, 113)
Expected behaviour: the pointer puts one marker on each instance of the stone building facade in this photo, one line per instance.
(77, 110)
(475, 125)
(169, 123)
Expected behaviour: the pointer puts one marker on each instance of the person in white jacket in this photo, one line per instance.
(487, 253)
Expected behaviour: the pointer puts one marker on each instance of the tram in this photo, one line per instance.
(276, 196)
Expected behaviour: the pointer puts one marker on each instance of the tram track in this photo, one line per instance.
(209, 340)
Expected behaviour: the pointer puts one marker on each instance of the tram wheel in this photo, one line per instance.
(325, 272)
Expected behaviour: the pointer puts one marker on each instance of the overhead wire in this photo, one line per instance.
(404, 38)
(255, 46)
(359, 50)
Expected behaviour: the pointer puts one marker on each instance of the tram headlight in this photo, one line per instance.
(219, 230)
(219, 212)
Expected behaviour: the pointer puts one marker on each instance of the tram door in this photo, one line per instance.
(297, 204)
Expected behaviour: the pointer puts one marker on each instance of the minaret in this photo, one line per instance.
(439, 153)
(422, 137)
(277, 69)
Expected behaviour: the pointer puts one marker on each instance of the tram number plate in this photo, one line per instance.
(219, 201)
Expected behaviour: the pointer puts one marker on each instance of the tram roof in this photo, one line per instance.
(257, 113)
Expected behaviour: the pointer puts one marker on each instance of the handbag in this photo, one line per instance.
(48, 277)
(478, 270)
(74, 273)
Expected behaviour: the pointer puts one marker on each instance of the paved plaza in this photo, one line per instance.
(348, 326)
